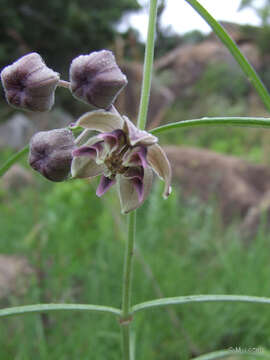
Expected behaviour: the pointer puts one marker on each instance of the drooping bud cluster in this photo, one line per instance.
(120, 153)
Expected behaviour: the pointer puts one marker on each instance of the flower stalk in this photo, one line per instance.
(148, 66)
(126, 316)
(141, 122)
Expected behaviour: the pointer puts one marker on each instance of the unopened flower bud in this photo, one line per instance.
(96, 78)
(29, 83)
(51, 153)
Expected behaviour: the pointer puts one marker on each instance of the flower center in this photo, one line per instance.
(114, 162)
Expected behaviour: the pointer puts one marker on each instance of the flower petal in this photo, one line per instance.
(85, 167)
(95, 151)
(104, 185)
(114, 139)
(100, 120)
(160, 164)
(136, 175)
(136, 136)
(136, 157)
(129, 190)
(90, 151)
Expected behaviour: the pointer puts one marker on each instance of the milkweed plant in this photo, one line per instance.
(105, 143)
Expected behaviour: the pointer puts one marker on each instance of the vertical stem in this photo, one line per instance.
(148, 65)
(127, 279)
(128, 264)
(142, 117)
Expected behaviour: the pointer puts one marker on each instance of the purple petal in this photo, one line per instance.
(114, 139)
(104, 185)
(138, 185)
(133, 191)
(137, 136)
(136, 178)
(136, 157)
(134, 172)
(85, 151)
(92, 151)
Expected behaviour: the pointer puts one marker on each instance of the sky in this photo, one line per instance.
(182, 18)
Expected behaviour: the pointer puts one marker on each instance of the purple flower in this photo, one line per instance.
(96, 79)
(29, 84)
(121, 154)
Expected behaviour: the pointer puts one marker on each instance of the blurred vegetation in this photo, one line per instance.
(76, 244)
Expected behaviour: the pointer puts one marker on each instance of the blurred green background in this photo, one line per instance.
(75, 243)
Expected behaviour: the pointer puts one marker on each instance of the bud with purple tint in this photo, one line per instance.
(51, 153)
(96, 79)
(29, 84)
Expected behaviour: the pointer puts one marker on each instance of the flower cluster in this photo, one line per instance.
(121, 153)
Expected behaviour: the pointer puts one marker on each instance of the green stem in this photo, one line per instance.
(127, 281)
(148, 66)
(198, 299)
(16, 310)
(142, 117)
(259, 122)
(236, 53)
(14, 158)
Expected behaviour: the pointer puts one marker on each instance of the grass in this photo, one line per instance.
(76, 245)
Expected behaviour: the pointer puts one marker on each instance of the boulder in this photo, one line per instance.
(237, 185)
(187, 63)
(16, 132)
(15, 274)
(17, 178)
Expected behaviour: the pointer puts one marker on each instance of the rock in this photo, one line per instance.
(257, 216)
(236, 185)
(16, 132)
(55, 119)
(17, 178)
(15, 273)
(187, 63)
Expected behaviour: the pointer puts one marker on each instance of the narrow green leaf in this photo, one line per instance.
(198, 299)
(14, 158)
(57, 307)
(258, 122)
(234, 50)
